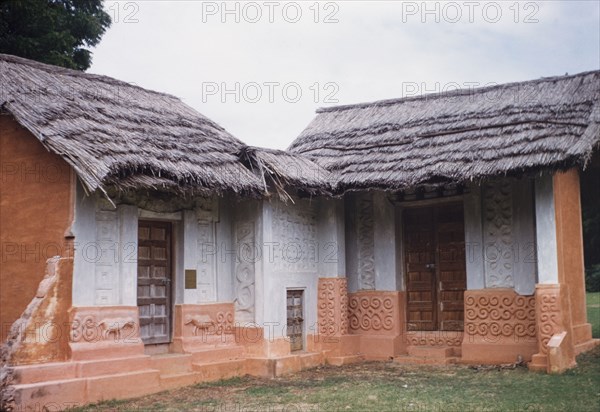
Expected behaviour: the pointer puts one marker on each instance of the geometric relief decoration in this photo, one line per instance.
(498, 234)
(206, 280)
(332, 306)
(366, 243)
(244, 272)
(371, 313)
(294, 238)
(500, 314)
(105, 255)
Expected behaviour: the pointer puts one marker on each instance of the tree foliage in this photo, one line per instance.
(56, 32)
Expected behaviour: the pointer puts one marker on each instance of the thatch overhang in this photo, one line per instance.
(115, 134)
(287, 172)
(457, 137)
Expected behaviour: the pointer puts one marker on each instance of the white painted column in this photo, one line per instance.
(545, 219)
(128, 242)
(385, 245)
(474, 239)
(331, 235)
(84, 230)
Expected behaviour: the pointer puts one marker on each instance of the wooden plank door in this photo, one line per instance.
(435, 267)
(295, 319)
(154, 281)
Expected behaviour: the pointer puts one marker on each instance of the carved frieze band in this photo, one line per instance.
(332, 309)
(549, 316)
(503, 313)
(94, 327)
(371, 313)
(244, 272)
(201, 323)
(498, 234)
(366, 244)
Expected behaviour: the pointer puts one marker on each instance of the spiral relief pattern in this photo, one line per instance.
(371, 313)
(332, 309)
(549, 314)
(503, 314)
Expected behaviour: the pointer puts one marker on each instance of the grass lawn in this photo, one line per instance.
(593, 312)
(385, 386)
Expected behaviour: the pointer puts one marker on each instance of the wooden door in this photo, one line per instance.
(435, 267)
(295, 319)
(154, 281)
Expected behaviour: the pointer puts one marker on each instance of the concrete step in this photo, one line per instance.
(419, 360)
(112, 366)
(45, 372)
(59, 394)
(344, 360)
(172, 363)
(435, 352)
(223, 369)
(176, 380)
(217, 353)
(586, 346)
(123, 385)
(311, 360)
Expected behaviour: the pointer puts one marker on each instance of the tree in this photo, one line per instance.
(52, 31)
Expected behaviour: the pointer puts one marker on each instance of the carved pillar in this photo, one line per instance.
(552, 320)
(332, 307)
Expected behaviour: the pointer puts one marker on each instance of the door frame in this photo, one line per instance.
(170, 289)
(418, 204)
(303, 290)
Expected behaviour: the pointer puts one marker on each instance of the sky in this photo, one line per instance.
(261, 68)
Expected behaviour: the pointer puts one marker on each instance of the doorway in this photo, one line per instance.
(154, 280)
(295, 319)
(435, 267)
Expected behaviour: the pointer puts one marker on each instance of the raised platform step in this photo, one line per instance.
(65, 393)
(310, 360)
(418, 360)
(214, 354)
(45, 372)
(172, 363)
(176, 380)
(112, 366)
(224, 369)
(586, 346)
(344, 360)
(433, 352)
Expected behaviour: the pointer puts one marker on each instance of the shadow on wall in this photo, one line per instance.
(590, 205)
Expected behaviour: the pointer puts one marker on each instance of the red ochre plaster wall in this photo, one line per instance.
(36, 211)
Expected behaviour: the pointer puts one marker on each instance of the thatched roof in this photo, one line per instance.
(286, 170)
(116, 134)
(457, 136)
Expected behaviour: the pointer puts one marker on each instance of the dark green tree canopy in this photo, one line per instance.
(52, 31)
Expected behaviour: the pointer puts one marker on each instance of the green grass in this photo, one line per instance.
(384, 386)
(593, 312)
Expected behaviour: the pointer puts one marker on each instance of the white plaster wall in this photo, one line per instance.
(545, 218)
(105, 260)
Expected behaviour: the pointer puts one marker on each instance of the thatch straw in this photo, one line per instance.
(286, 170)
(458, 136)
(116, 134)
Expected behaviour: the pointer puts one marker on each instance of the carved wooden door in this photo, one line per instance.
(295, 319)
(154, 281)
(435, 267)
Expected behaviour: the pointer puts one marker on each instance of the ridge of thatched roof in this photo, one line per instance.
(457, 136)
(116, 134)
(286, 170)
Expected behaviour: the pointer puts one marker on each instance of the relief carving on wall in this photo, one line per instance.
(105, 256)
(206, 264)
(202, 324)
(332, 309)
(89, 328)
(244, 272)
(549, 316)
(371, 313)
(295, 238)
(498, 234)
(366, 244)
(499, 314)
(434, 338)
